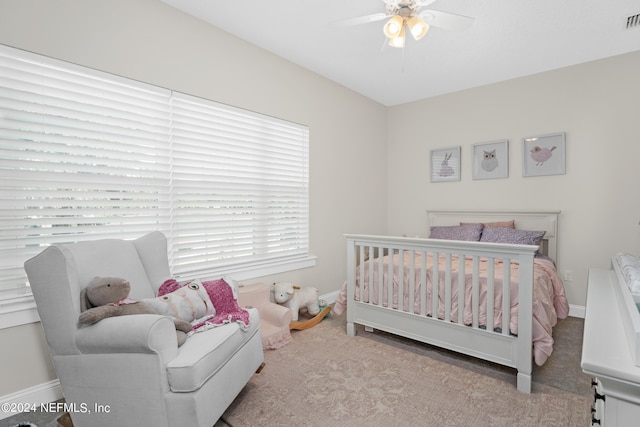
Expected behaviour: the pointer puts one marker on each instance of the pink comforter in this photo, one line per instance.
(549, 300)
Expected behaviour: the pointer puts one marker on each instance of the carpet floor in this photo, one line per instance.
(325, 378)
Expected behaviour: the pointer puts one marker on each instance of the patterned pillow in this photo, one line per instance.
(509, 235)
(457, 232)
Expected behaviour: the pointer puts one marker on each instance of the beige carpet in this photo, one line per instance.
(325, 378)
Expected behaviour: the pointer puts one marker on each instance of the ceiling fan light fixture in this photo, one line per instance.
(394, 26)
(397, 41)
(417, 27)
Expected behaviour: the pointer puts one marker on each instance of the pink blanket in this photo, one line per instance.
(549, 300)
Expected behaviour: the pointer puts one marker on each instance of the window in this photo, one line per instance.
(87, 155)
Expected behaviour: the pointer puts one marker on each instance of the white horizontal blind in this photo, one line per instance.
(87, 155)
(239, 188)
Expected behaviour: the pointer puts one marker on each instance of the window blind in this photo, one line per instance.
(239, 185)
(83, 155)
(87, 155)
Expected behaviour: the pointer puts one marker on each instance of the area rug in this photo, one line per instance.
(325, 378)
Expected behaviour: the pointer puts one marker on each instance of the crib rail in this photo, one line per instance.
(395, 299)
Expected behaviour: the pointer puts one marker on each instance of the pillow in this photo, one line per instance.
(509, 235)
(505, 224)
(630, 267)
(457, 232)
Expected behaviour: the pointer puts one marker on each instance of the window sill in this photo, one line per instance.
(17, 308)
(270, 268)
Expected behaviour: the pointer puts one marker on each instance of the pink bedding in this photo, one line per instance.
(549, 300)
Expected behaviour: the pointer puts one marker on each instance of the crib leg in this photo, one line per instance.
(351, 329)
(524, 383)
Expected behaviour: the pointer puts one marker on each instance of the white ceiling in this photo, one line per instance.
(508, 39)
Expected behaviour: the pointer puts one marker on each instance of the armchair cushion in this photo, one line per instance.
(202, 355)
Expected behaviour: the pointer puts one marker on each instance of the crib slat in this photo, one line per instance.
(400, 279)
(475, 292)
(423, 281)
(390, 277)
(371, 257)
(506, 296)
(462, 277)
(362, 265)
(490, 292)
(447, 289)
(435, 284)
(412, 281)
(379, 256)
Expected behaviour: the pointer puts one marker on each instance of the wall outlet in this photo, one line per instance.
(568, 276)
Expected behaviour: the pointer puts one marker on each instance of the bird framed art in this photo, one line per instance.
(490, 160)
(544, 155)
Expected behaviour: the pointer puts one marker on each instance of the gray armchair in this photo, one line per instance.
(129, 370)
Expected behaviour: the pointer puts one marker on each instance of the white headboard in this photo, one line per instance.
(535, 220)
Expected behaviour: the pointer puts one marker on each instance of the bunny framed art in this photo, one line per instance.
(445, 164)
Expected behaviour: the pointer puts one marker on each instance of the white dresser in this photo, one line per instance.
(606, 354)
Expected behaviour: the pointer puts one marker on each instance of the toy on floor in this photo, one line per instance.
(300, 300)
(296, 298)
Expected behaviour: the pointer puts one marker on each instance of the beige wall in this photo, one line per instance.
(596, 104)
(149, 41)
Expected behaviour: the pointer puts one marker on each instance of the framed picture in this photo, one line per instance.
(445, 164)
(490, 160)
(544, 155)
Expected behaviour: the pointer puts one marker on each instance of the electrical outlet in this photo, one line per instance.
(568, 276)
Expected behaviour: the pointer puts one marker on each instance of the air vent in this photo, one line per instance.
(633, 21)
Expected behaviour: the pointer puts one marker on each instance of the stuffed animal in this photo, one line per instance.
(205, 304)
(297, 299)
(108, 296)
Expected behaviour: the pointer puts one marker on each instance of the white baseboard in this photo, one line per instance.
(330, 298)
(577, 310)
(32, 397)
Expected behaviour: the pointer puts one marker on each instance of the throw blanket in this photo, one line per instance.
(217, 305)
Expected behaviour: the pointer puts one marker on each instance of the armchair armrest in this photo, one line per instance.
(144, 333)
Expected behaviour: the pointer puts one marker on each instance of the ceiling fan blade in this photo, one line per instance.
(446, 20)
(360, 20)
(423, 3)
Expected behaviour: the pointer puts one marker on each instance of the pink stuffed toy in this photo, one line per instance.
(222, 305)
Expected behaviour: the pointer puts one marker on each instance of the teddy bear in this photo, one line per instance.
(108, 296)
(296, 298)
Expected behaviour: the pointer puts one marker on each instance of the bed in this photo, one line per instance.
(476, 267)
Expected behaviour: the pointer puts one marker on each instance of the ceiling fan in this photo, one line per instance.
(410, 14)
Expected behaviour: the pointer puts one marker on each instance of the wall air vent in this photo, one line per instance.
(633, 21)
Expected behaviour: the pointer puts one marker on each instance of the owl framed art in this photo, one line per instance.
(490, 160)
(544, 155)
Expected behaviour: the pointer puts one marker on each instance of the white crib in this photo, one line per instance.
(368, 296)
